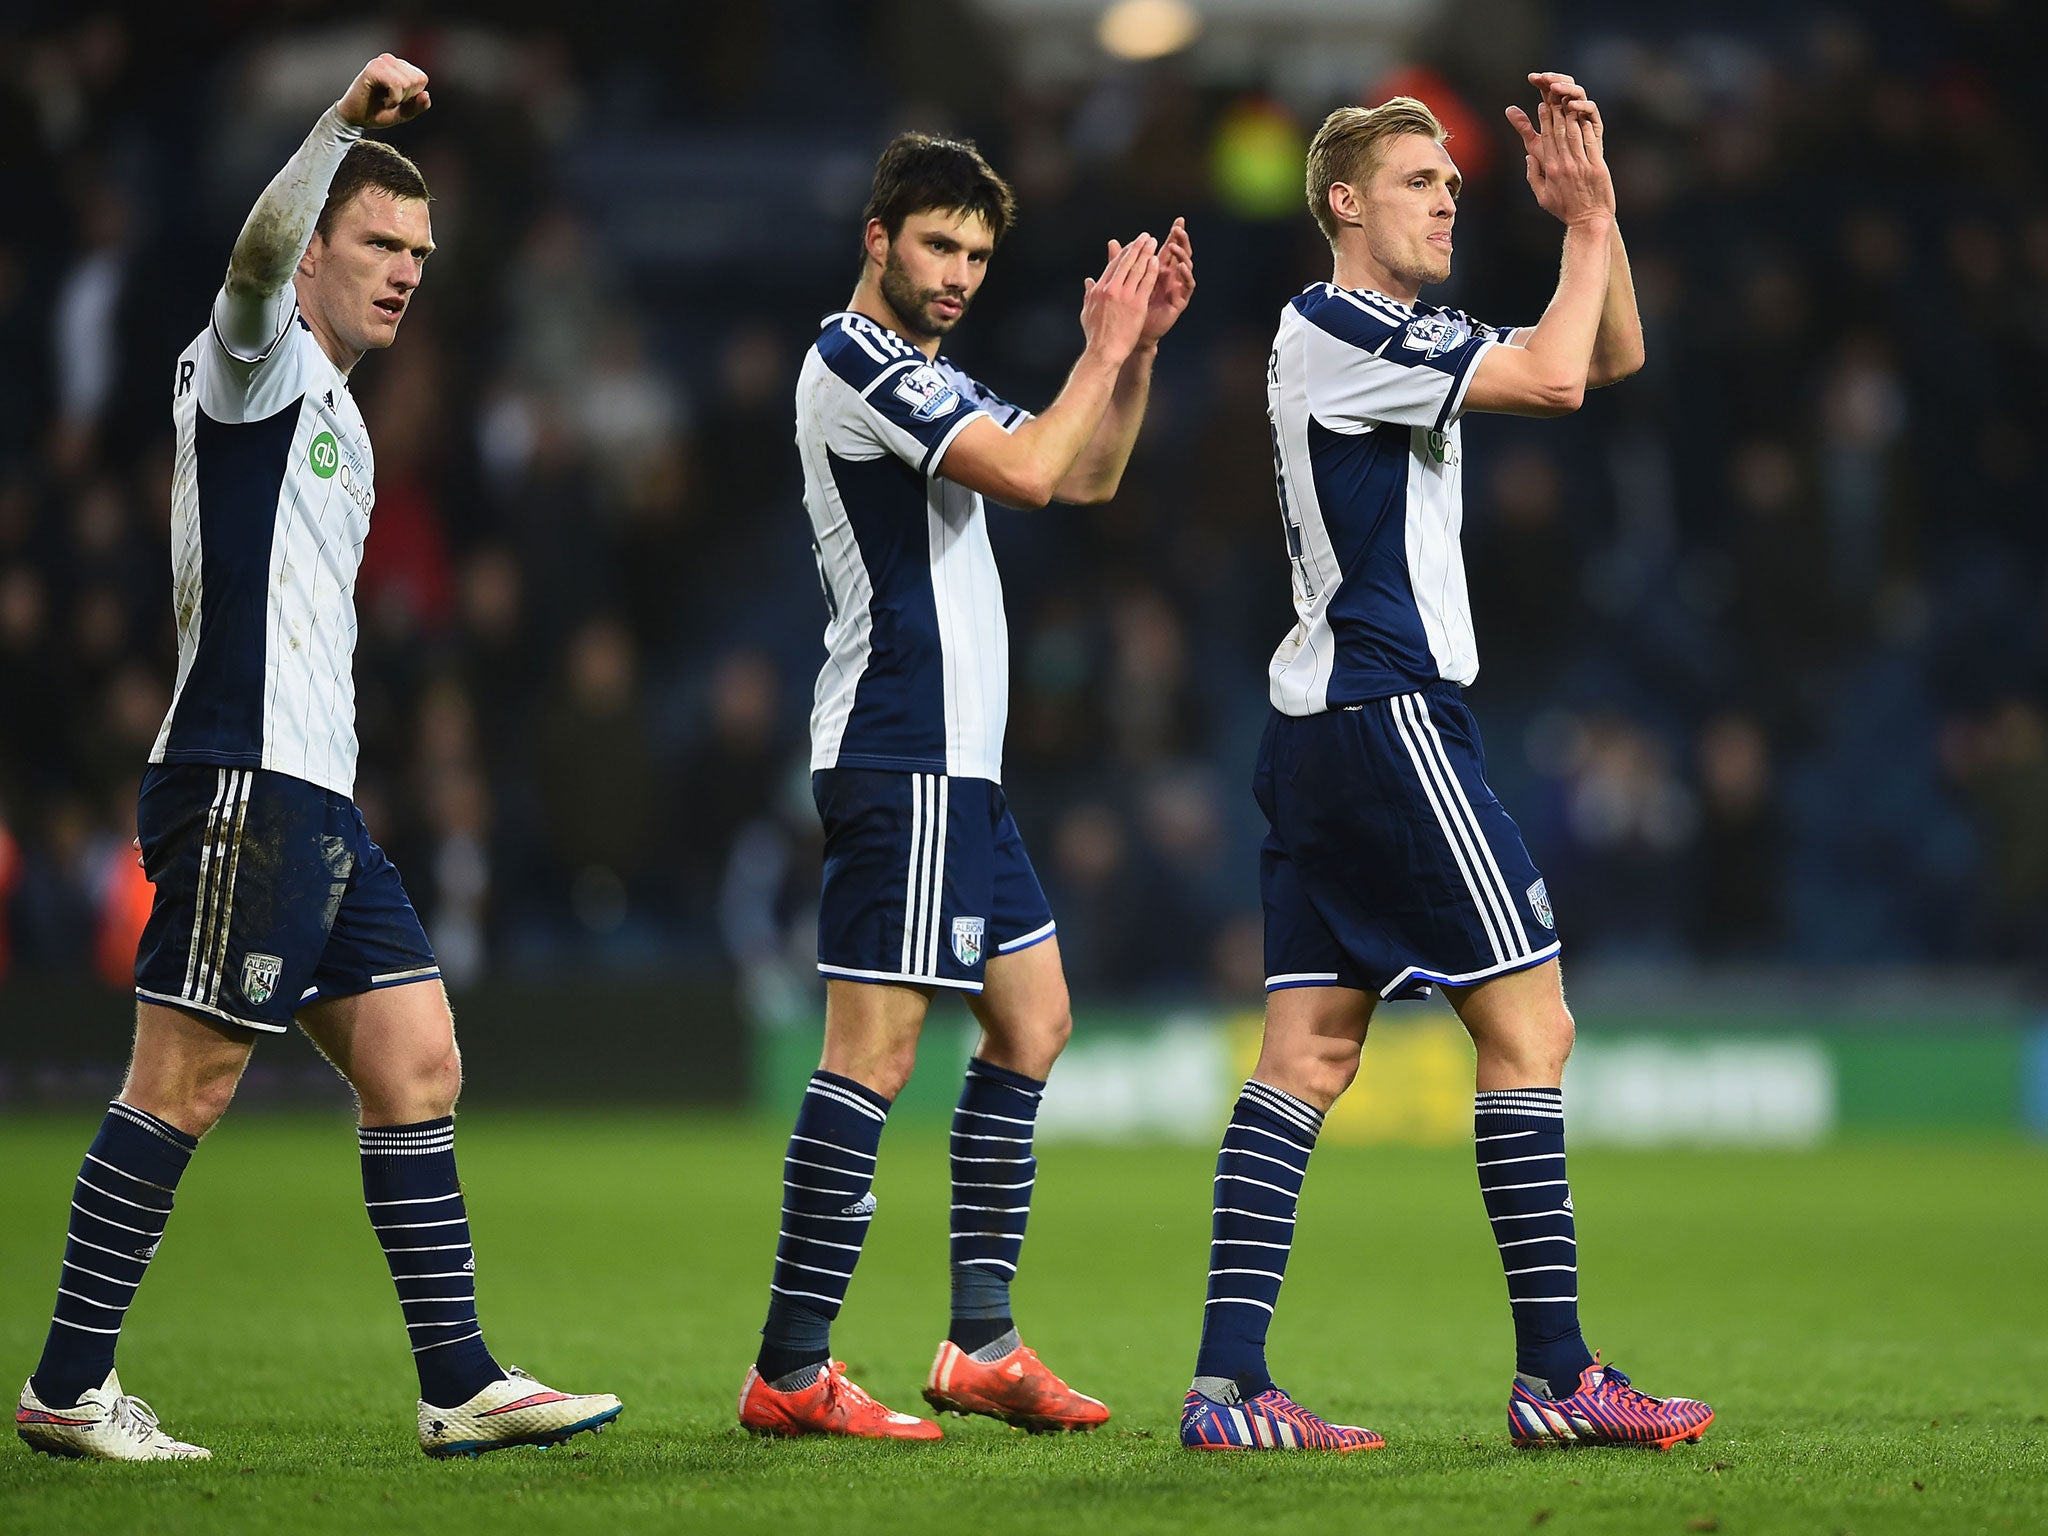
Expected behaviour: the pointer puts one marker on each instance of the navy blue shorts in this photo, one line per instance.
(269, 896)
(925, 878)
(1388, 864)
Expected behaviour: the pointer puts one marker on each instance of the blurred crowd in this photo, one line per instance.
(1763, 635)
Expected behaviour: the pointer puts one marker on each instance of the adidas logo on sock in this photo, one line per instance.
(470, 1265)
(864, 1206)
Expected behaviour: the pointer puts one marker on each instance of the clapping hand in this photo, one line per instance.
(1564, 151)
(1176, 284)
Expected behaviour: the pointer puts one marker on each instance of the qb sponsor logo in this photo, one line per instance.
(327, 457)
(324, 456)
(357, 485)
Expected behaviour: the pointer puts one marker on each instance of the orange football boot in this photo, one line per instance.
(831, 1405)
(1018, 1389)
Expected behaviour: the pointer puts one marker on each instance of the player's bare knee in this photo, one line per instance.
(211, 1099)
(876, 1057)
(1317, 1072)
(440, 1083)
(1547, 1043)
(1332, 1072)
(1535, 1051)
(193, 1097)
(194, 1106)
(403, 1089)
(889, 1074)
(1563, 1034)
(429, 1084)
(1054, 1031)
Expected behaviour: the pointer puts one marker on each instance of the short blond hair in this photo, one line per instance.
(1350, 143)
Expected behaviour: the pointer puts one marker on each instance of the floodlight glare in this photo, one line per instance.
(1148, 29)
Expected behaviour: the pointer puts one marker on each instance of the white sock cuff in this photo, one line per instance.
(1542, 1103)
(1304, 1116)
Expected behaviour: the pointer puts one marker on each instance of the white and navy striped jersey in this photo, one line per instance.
(1364, 394)
(917, 666)
(270, 504)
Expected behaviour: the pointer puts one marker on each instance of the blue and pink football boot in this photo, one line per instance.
(1271, 1421)
(1605, 1410)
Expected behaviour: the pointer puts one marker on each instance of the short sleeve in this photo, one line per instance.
(1370, 363)
(1005, 415)
(233, 388)
(249, 328)
(908, 406)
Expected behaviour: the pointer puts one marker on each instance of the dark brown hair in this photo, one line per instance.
(920, 171)
(371, 165)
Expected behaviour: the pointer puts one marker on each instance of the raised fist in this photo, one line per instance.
(388, 92)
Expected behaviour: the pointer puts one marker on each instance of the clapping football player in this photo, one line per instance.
(1389, 867)
(927, 885)
(272, 903)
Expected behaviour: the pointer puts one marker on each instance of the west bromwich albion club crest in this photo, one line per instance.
(259, 977)
(1539, 903)
(967, 932)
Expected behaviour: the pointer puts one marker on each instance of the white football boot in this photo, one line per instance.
(515, 1411)
(106, 1424)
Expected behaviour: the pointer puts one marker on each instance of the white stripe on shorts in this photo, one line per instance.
(220, 791)
(1432, 737)
(910, 882)
(924, 885)
(1026, 940)
(219, 959)
(938, 889)
(1461, 830)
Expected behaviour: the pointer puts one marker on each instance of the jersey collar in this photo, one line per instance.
(837, 315)
(1414, 308)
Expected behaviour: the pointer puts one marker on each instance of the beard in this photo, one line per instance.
(913, 305)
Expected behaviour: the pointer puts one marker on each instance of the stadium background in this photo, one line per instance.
(1763, 632)
(1763, 636)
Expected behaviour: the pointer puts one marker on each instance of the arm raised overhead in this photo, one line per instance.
(255, 301)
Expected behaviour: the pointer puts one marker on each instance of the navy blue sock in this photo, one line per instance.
(993, 1171)
(1519, 1133)
(416, 1208)
(119, 1207)
(1259, 1171)
(827, 1202)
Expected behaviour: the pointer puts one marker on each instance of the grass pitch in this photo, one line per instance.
(1870, 1323)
